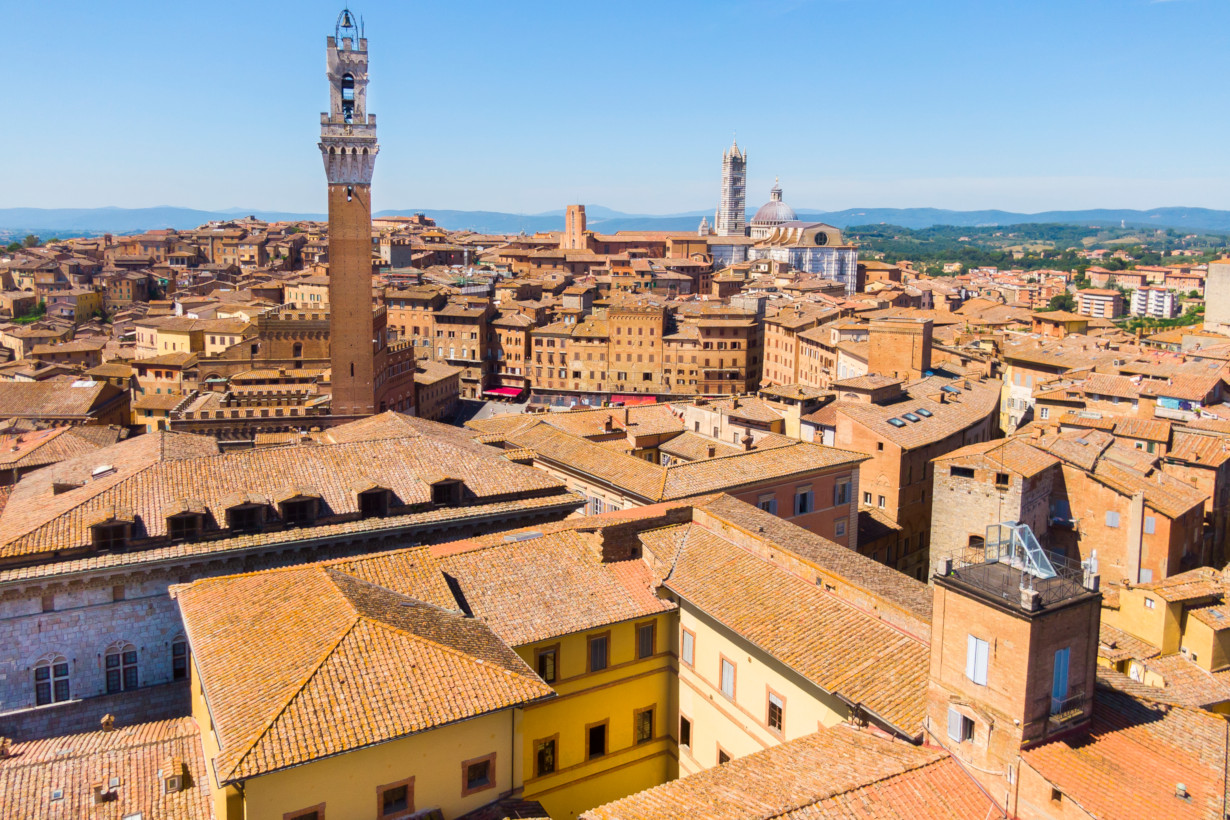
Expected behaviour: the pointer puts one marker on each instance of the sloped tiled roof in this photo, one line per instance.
(45, 520)
(133, 754)
(288, 683)
(837, 772)
(556, 584)
(57, 397)
(831, 643)
(1002, 454)
(1134, 756)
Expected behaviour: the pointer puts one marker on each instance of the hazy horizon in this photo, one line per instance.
(956, 105)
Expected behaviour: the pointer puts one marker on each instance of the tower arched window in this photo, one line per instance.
(51, 680)
(348, 97)
(121, 667)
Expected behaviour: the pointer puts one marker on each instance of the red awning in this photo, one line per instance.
(504, 391)
(629, 400)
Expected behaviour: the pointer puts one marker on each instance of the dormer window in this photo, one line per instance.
(185, 526)
(446, 492)
(374, 503)
(299, 512)
(244, 517)
(112, 535)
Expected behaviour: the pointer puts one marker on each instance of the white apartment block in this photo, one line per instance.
(1156, 303)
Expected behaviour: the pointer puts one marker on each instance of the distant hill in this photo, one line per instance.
(47, 222)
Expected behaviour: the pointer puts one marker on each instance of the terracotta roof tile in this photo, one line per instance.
(134, 755)
(835, 773)
(1134, 756)
(836, 646)
(308, 662)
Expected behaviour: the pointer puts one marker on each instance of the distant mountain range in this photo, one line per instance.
(48, 222)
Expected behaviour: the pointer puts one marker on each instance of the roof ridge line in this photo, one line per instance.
(474, 661)
(313, 671)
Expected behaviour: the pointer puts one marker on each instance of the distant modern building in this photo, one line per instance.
(1154, 302)
(1100, 302)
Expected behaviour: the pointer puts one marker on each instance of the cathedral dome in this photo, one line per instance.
(774, 212)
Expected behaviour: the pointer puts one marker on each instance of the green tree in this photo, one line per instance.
(1062, 301)
(13, 247)
(31, 241)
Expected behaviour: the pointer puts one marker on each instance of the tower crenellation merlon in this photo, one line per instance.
(347, 132)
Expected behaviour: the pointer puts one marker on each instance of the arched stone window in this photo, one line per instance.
(51, 680)
(348, 98)
(120, 665)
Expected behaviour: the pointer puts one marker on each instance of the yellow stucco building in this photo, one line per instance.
(563, 667)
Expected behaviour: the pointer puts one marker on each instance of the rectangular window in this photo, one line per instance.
(960, 728)
(546, 661)
(643, 726)
(841, 493)
(646, 638)
(396, 800)
(179, 660)
(685, 732)
(598, 652)
(595, 740)
(976, 651)
(477, 774)
(1059, 681)
(839, 528)
(777, 713)
(688, 647)
(1150, 525)
(768, 503)
(961, 472)
(867, 499)
(804, 501)
(728, 679)
(314, 813)
(544, 756)
(1112, 518)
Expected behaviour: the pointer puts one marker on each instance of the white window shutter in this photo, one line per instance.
(981, 666)
(971, 659)
(954, 724)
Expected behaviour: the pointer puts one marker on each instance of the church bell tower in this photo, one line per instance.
(348, 146)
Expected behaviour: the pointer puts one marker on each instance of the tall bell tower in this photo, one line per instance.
(348, 146)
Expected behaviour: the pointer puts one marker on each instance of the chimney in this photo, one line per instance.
(747, 442)
(108, 723)
(6, 746)
(734, 402)
(712, 450)
(1031, 600)
(609, 424)
(625, 415)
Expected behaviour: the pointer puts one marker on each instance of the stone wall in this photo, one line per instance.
(163, 702)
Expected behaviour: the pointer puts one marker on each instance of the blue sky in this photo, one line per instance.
(1018, 104)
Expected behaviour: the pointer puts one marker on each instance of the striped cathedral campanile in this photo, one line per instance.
(367, 375)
